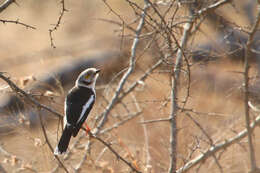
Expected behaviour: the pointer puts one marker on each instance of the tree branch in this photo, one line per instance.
(48, 142)
(111, 149)
(56, 26)
(174, 92)
(19, 91)
(17, 22)
(246, 92)
(127, 73)
(217, 147)
(6, 4)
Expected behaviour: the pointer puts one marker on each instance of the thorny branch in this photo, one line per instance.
(213, 7)
(174, 92)
(56, 26)
(41, 106)
(246, 92)
(112, 150)
(120, 123)
(156, 120)
(123, 22)
(22, 93)
(209, 138)
(218, 147)
(165, 29)
(5, 5)
(148, 165)
(127, 73)
(49, 144)
(17, 22)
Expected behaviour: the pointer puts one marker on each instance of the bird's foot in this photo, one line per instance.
(87, 129)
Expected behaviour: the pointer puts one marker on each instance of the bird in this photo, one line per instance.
(78, 104)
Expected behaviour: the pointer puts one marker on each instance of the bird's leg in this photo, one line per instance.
(87, 129)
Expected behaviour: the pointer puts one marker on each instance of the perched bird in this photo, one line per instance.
(78, 104)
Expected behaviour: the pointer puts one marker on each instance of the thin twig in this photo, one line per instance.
(156, 120)
(212, 7)
(84, 158)
(209, 138)
(174, 91)
(30, 98)
(17, 22)
(117, 23)
(254, 108)
(56, 26)
(246, 92)
(112, 150)
(6, 4)
(120, 123)
(123, 22)
(127, 73)
(142, 78)
(148, 165)
(21, 92)
(48, 142)
(217, 147)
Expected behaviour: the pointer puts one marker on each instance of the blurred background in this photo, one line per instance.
(91, 34)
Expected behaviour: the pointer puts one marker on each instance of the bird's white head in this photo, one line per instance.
(88, 78)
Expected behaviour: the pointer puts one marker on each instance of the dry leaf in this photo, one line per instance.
(6, 160)
(103, 164)
(111, 170)
(26, 166)
(13, 160)
(37, 142)
(50, 94)
(25, 80)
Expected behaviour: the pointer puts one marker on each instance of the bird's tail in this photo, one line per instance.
(64, 141)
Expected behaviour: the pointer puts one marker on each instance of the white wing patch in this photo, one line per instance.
(65, 117)
(85, 107)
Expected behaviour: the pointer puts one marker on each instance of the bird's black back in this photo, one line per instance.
(75, 100)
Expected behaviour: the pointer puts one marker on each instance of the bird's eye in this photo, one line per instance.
(87, 76)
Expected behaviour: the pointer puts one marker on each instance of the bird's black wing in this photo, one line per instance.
(79, 103)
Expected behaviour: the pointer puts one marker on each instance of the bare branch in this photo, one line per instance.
(19, 91)
(174, 92)
(56, 26)
(254, 108)
(156, 120)
(6, 4)
(142, 78)
(213, 6)
(128, 72)
(217, 147)
(120, 123)
(18, 23)
(209, 138)
(48, 142)
(148, 165)
(30, 98)
(246, 92)
(112, 150)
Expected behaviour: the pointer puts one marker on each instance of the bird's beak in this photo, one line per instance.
(97, 71)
